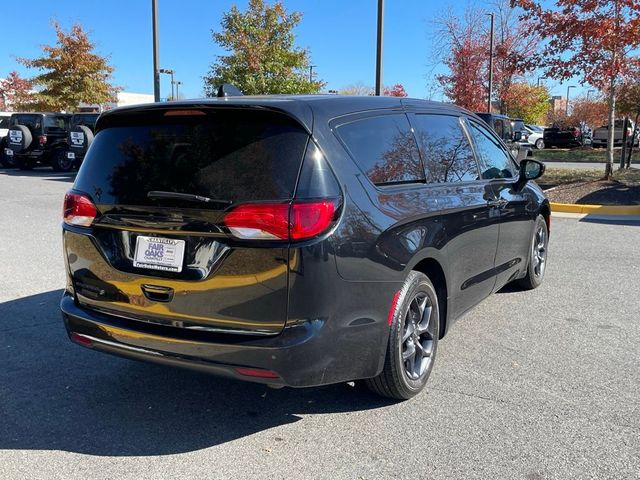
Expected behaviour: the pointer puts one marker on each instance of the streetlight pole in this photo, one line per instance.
(311, 67)
(566, 110)
(156, 51)
(178, 83)
(490, 63)
(539, 78)
(169, 71)
(379, 47)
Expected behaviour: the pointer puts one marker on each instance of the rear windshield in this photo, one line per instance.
(56, 123)
(86, 120)
(236, 155)
(34, 122)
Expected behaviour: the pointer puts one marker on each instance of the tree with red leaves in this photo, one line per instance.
(16, 93)
(590, 39)
(395, 91)
(462, 45)
(592, 111)
(513, 40)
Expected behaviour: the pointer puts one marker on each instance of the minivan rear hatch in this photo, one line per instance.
(160, 249)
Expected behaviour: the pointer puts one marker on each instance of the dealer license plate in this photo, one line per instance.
(159, 253)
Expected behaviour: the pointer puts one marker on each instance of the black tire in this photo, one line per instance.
(540, 144)
(537, 263)
(60, 162)
(10, 161)
(3, 157)
(19, 138)
(405, 374)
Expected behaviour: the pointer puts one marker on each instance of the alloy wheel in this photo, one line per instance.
(418, 336)
(540, 251)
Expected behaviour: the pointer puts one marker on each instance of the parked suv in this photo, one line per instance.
(295, 240)
(511, 136)
(79, 139)
(35, 138)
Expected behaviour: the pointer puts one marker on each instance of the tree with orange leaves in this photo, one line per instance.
(71, 72)
(589, 39)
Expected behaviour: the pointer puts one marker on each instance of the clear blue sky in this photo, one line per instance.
(340, 35)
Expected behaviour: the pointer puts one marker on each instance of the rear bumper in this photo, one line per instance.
(304, 355)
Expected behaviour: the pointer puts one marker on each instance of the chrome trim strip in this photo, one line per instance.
(121, 345)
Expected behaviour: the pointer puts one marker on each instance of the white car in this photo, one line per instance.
(4, 124)
(535, 135)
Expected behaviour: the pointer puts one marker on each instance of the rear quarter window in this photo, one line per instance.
(33, 122)
(232, 155)
(384, 148)
(4, 122)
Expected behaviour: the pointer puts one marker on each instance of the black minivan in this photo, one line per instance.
(295, 240)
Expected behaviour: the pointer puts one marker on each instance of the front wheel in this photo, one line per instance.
(537, 256)
(413, 340)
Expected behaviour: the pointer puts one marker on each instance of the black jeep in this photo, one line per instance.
(511, 134)
(78, 141)
(35, 138)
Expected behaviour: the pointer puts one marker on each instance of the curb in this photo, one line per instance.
(595, 209)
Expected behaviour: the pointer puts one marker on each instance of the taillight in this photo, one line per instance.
(79, 209)
(42, 139)
(281, 221)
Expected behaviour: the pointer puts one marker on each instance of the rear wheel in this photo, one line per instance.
(413, 341)
(60, 161)
(540, 144)
(537, 256)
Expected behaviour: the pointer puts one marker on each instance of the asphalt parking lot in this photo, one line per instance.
(530, 385)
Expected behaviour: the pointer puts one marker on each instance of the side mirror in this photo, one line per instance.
(529, 170)
(517, 136)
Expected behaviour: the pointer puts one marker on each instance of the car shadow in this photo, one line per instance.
(619, 193)
(612, 220)
(46, 173)
(55, 395)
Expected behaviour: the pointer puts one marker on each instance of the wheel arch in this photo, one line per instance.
(434, 270)
(545, 211)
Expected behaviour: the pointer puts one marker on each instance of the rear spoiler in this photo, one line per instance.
(297, 110)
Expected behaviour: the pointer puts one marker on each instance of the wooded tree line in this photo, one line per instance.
(594, 42)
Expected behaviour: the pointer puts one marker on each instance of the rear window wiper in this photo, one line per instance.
(189, 197)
